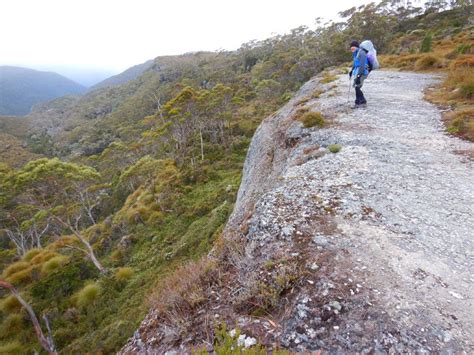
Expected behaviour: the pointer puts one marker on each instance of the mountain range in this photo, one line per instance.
(22, 88)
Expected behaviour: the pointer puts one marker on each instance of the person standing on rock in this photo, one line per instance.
(360, 71)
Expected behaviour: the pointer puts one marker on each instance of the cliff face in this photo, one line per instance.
(338, 251)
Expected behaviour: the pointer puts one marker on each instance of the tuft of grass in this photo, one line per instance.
(88, 295)
(466, 61)
(461, 123)
(264, 293)
(15, 267)
(334, 148)
(327, 78)
(317, 94)
(42, 257)
(185, 289)
(311, 119)
(10, 305)
(124, 273)
(427, 62)
(22, 276)
(299, 113)
(53, 264)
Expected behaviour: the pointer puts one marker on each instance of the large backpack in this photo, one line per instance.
(371, 54)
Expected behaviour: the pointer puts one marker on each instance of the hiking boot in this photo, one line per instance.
(358, 106)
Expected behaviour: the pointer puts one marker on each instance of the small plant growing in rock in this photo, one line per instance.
(317, 94)
(334, 148)
(328, 77)
(311, 119)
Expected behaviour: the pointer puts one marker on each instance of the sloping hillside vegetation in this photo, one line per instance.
(21, 88)
(127, 75)
(138, 179)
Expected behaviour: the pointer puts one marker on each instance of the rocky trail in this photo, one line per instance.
(383, 229)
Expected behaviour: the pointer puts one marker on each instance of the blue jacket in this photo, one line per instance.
(360, 56)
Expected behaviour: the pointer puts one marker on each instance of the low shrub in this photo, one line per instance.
(123, 273)
(334, 148)
(53, 264)
(88, 295)
(426, 43)
(311, 119)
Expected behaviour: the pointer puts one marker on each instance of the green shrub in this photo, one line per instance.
(311, 119)
(124, 273)
(334, 148)
(10, 305)
(13, 347)
(88, 295)
(426, 43)
(54, 263)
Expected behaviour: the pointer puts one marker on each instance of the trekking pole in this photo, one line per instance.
(349, 91)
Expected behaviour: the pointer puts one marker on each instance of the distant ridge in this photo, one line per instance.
(22, 88)
(129, 74)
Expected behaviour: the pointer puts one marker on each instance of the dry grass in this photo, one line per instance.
(184, 290)
(299, 113)
(461, 123)
(327, 78)
(427, 62)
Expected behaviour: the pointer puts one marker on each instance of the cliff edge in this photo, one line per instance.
(353, 236)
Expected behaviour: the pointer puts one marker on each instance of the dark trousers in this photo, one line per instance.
(360, 99)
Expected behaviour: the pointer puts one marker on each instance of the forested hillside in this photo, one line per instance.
(21, 88)
(127, 75)
(136, 180)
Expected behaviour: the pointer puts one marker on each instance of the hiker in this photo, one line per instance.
(360, 71)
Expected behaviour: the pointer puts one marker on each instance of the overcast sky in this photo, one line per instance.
(116, 34)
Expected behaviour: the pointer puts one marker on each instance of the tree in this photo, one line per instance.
(63, 194)
(46, 341)
(191, 117)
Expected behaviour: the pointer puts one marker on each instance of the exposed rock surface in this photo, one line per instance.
(382, 230)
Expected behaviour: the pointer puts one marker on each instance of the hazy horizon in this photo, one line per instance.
(111, 36)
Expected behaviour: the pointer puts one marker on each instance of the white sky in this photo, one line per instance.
(116, 34)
